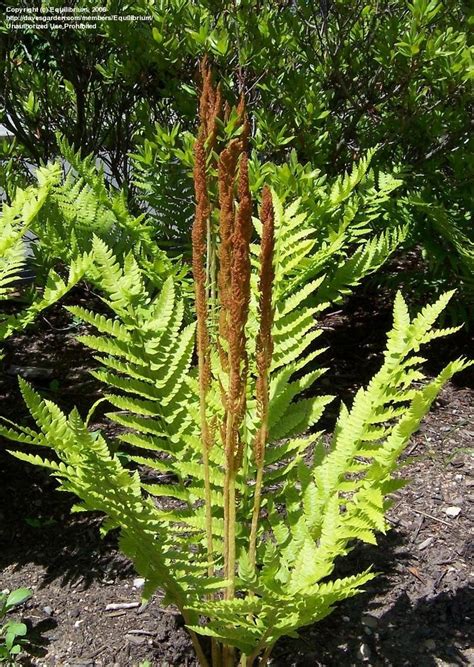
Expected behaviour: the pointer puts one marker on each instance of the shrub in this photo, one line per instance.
(329, 80)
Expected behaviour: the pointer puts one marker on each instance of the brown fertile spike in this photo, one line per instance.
(241, 106)
(218, 103)
(204, 64)
(241, 111)
(199, 261)
(240, 292)
(245, 133)
(226, 175)
(200, 179)
(264, 348)
(215, 115)
(204, 99)
(226, 111)
(199, 237)
(267, 273)
(211, 102)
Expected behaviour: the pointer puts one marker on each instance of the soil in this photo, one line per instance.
(418, 611)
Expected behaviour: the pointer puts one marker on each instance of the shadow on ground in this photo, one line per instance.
(37, 528)
(420, 633)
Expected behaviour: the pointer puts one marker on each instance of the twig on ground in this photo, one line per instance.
(96, 653)
(418, 528)
(113, 606)
(430, 516)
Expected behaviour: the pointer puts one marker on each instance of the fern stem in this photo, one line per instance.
(255, 514)
(265, 657)
(231, 543)
(228, 659)
(208, 501)
(203, 661)
(229, 525)
(228, 653)
(250, 659)
(229, 510)
(208, 252)
(216, 653)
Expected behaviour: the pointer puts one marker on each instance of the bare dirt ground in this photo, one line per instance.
(417, 612)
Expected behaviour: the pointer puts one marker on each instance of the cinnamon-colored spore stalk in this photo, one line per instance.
(199, 243)
(264, 348)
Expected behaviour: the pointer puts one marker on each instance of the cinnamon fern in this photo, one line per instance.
(62, 213)
(230, 500)
(17, 219)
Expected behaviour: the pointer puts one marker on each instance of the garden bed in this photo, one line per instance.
(415, 613)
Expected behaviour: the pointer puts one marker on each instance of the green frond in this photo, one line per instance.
(344, 185)
(283, 392)
(54, 290)
(368, 258)
(290, 448)
(302, 415)
(289, 350)
(11, 257)
(149, 442)
(35, 459)
(103, 324)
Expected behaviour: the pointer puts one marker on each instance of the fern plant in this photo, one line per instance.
(11, 257)
(16, 220)
(164, 185)
(243, 507)
(64, 213)
(80, 205)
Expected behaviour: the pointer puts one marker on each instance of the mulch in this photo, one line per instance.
(418, 611)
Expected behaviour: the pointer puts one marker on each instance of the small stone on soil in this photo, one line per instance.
(452, 511)
(134, 639)
(364, 652)
(425, 543)
(370, 621)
